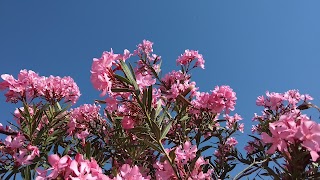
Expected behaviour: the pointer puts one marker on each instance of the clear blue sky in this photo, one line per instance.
(251, 45)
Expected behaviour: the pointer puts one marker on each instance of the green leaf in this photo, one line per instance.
(58, 106)
(88, 150)
(149, 98)
(27, 173)
(159, 108)
(155, 129)
(134, 76)
(184, 117)
(66, 150)
(144, 98)
(122, 79)
(129, 74)
(165, 130)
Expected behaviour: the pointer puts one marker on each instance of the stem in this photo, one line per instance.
(252, 164)
(170, 161)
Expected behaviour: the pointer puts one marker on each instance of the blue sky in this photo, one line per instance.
(251, 45)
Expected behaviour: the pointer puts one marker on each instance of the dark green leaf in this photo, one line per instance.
(165, 130)
(122, 79)
(149, 98)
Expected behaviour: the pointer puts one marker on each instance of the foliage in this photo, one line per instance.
(150, 126)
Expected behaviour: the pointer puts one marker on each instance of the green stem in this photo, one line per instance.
(170, 161)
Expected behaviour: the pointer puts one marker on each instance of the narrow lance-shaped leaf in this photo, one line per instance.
(149, 98)
(155, 129)
(88, 150)
(165, 130)
(129, 74)
(159, 108)
(123, 79)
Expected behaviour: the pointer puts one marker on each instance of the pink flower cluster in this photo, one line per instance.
(232, 120)
(104, 68)
(290, 127)
(102, 72)
(183, 155)
(80, 169)
(222, 98)
(144, 48)
(130, 173)
(81, 118)
(225, 148)
(69, 169)
(30, 85)
(293, 129)
(21, 152)
(274, 101)
(175, 83)
(188, 56)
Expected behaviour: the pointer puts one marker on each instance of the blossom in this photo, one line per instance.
(101, 71)
(81, 116)
(76, 169)
(185, 153)
(309, 134)
(279, 133)
(145, 47)
(222, 98)
(145, 80)
(127, 122)
(175, 83)
(30, 85)
(232, 142)
(188, 56)
(15, 142)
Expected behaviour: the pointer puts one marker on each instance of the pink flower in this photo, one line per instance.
(279, 131)
(309, 134)
(176, 83)
(273, 101)
(76, 169)
(145, 80)
(292, 96)
(42, 174)
(145, 47)
(164, 170)
(186, 153)
(83, 135)
(23, 158)
(260, 101)
(241, 127)
(131, 173)
(30, 85)
(57, 164)
(34, 149)
(127, 123)
(197, 173)
(101, 71)
(232, 142)
(15, 142)
(126, 55)
(81, 170)
(57, 88)
(189, 56)
(80, 119)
